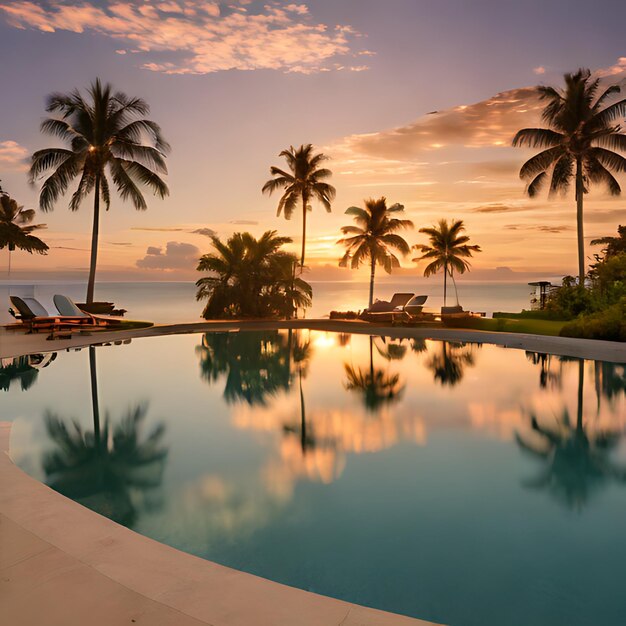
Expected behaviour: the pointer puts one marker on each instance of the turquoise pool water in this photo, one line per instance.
(463, 484)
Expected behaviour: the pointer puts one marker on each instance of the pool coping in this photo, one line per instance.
(15, 343)
(62, 563)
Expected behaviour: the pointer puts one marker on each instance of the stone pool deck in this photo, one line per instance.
(16, 343)
(64, 565)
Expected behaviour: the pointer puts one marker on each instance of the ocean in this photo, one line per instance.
(163, 302)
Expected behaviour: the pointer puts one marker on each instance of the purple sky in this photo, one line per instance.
(338, 73)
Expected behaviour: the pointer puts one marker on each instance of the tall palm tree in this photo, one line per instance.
(302, 183)
(579, 144)
(374, 237)
(16, 228)
(105, 133)
(448, 250)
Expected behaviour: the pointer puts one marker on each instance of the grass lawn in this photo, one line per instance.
(508, 325)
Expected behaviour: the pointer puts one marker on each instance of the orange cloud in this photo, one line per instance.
(12, 155)
(202, 37)
(488, 123)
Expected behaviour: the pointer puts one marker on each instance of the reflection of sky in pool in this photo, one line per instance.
(464, 484)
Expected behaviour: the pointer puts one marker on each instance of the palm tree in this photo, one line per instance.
(302, 183)
(106, 133)
(16, 228)
(374, 237)
(448, 250)
(251, 277)
(579, 144)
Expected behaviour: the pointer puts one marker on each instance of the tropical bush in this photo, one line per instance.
(251, 277)
(609, 324)
(570, 299)
(596, 311)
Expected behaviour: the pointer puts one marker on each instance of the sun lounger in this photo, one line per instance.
(415, 306)
(387, 311)
(33, 315)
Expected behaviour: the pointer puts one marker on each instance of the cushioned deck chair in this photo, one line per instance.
(415, 306)
(68, 308)
(387, 311)
(35, 317)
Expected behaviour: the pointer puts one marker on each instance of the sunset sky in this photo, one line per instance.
(416, 100)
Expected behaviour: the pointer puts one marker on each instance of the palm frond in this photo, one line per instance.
(537, 138)
(540, 162)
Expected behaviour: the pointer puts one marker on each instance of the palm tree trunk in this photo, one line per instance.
(9, 270)
(94, 242)
(294, 308)
(304, 204)
(94, 395)
(456, 291)
(445, 283)
(580, 192)
(372, 272)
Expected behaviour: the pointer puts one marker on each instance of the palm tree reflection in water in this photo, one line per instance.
(377, 387)
(109, 468)
(256, 365)
(448, 365)
(577, 459)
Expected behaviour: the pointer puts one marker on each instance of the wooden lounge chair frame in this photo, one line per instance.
(394, 311)
(59, 325)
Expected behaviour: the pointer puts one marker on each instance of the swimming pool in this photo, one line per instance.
(458, 483)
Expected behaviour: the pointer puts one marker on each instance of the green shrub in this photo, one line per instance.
(609, 324)
(570, 300)
(530, 315)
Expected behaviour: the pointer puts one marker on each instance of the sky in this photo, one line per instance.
(415, 100)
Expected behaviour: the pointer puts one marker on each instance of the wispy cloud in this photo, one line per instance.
(13, 155)
(542, 228)
(618, 68)
(175, 256)
(498, 207)
(165, 229)
(207, 232)
(200, 36)
(489, 123)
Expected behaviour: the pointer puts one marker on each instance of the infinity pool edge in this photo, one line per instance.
(14, 343)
